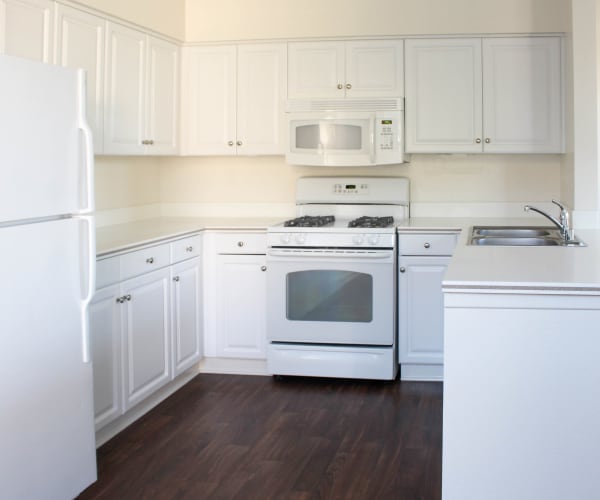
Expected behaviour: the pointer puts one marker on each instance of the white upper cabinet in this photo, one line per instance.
(26, 29)
(361, 69)
(233, 99)
(522, 96)
(492, 95)
(141, 93)
(80, 44)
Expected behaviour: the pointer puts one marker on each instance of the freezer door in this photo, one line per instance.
(45, 165)
(46, 420)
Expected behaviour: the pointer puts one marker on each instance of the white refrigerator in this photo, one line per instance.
(47, 278)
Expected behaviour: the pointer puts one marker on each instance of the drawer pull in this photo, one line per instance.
(189, 249)
(240, 243)
(427, 245)
(176, 278)
(150, 260)
(263, 268)
(402, 269)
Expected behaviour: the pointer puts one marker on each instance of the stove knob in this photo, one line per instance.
(300, 239)
(358, 239)
(285, 238)
(373, 239)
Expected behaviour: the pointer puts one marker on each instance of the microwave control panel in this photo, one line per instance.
(388, 135)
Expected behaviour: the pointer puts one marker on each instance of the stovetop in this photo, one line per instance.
(313, 221)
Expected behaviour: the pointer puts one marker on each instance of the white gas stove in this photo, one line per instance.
(331, 283)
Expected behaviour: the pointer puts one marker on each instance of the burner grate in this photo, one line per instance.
(366, 221)
(310, 221)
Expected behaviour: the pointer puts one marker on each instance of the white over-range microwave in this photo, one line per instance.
(345, 133)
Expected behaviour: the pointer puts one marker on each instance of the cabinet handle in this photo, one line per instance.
(176, 278)
(230, 143)
(128, 297)
(144, 142)
(488, 140)
(402, 269)
(151, 142)
(348, 86)
(263, 268)
(239, 143)
(427, 245)
(340, 86)
(189, 249)
(240, 243)
(150, 260)
(120, 300)
(478, 140)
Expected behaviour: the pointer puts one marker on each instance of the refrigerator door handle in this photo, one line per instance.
(89, 247)
(88, 143)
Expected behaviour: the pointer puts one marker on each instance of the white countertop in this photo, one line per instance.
(574, 269)
(121, 237)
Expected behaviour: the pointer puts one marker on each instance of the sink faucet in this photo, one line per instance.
(564, 224)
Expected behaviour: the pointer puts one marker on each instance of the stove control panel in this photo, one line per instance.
(330, 240)
(358, 188)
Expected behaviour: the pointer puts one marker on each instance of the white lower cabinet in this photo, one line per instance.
(241, 304)
(422, 263)
(145, 323)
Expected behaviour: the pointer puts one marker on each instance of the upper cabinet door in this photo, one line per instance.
(443, 96)
(26, 29)
(522, 95)
(80, 44)
(261, 87)
(125, 82)
(209, 88)
(374, 68)
(316, 70)
(162, 97)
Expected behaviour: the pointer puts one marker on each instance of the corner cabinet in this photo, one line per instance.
(422, 262)
(369, 68)
(142, 99)
(490, 95)
(234, 97)
(145, 323)
(26, 29)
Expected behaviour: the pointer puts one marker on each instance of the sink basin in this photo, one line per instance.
(519, 236)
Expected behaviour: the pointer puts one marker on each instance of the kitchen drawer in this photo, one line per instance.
(427, 244)
(144, 260)
(241, 243)
(108, 271)
(186, 248)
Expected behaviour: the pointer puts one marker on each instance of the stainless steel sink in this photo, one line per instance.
(519, 236)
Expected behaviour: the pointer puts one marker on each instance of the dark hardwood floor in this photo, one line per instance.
(245, 437)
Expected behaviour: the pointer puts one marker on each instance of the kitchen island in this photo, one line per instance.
(521, 372)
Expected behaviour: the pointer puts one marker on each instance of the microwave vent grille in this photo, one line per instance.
(294, 106)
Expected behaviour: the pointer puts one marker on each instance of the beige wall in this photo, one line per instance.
(165, 17)
(255, 19)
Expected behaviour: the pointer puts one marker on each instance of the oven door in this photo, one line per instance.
(331, 297)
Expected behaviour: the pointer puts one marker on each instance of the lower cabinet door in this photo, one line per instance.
(186, 315)
(145, 325)
(421, 309)
(105, 338)
(241, 305)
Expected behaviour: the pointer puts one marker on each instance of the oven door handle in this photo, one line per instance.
(314, 254)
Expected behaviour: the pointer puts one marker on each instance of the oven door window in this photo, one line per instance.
(329, 295)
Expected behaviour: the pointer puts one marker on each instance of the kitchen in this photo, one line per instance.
(129, 188)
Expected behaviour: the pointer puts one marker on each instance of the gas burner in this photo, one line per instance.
(372, 222)
(310, 221)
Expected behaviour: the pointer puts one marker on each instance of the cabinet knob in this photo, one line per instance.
(427, 245)
(239, 143)
(488, 140)
(176, 278)
(230, 143)
(240, 243)
(263, 268)
(144, 142)
(348, 86)
(127, 297)
(189, 249)
(120, 300)
(150, 260)
(340, 86)
(151, 142)
(478, 140)
(402, 269)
